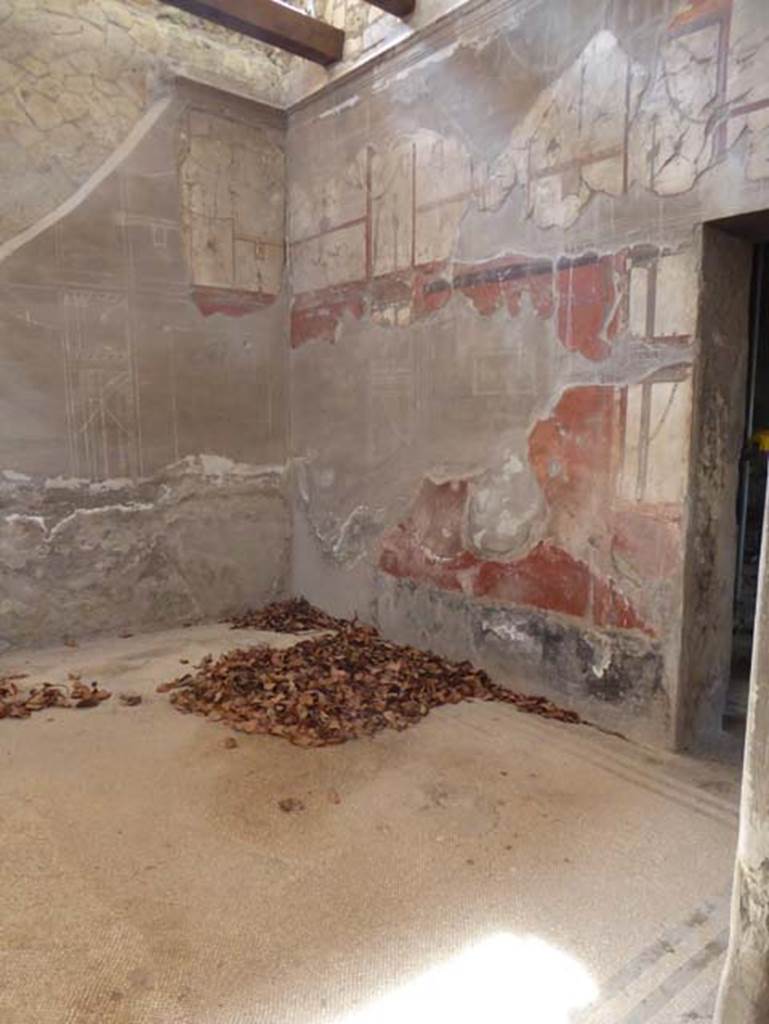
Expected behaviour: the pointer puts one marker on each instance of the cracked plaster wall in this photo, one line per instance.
(76, 76)
(143, 392)
(495, 266)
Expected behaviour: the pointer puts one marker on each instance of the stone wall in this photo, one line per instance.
(495, 262)
(143, 391)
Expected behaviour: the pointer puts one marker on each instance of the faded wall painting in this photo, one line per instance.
(494, 330)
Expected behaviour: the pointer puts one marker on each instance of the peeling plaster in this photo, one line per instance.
(205, 537)
(344, 105)
(507, 294)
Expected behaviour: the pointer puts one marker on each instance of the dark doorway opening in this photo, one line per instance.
(751, 494)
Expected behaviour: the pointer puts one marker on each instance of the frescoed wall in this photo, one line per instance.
(495, 257)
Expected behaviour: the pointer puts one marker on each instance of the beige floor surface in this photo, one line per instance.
(485, 865)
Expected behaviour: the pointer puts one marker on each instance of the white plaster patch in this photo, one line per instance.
(440, 475)
(128, 508)
(220, 466)
(505, 514)
(512, 466)
(346, 105)
(354, 533)
(638, 301)
(65, 483)
(215, 465)
(507, 632)
(118, 483)
(601, 660)
(18, 518)
(656, 451)
(675, 308)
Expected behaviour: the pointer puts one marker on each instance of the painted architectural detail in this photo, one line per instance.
(592, 298)
(574, 139)
(501, 303)
(608, 123)
(389, 212)
(100, 387)
(656, 424)
(232, 191)
(748, 86)
(674, 138)
(662, 299)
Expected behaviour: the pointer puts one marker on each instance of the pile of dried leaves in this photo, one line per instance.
(18, 703)
(296, 615)
(334, 688)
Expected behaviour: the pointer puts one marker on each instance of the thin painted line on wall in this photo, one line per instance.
(129, 143)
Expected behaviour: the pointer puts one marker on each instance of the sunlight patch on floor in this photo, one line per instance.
(500, 980)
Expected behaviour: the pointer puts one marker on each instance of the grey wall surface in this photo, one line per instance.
(143, 391)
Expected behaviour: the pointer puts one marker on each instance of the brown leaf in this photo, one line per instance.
(290, 804)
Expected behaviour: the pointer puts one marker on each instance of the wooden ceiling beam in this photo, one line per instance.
(275, 23)
(400, 8)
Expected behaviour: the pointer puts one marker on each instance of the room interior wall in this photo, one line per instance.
(495, 257)
(467, 412)
(143, 391)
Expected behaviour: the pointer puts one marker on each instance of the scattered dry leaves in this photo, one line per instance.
(333, 688)
(296, 615)
(130, 699)
(18, 703)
